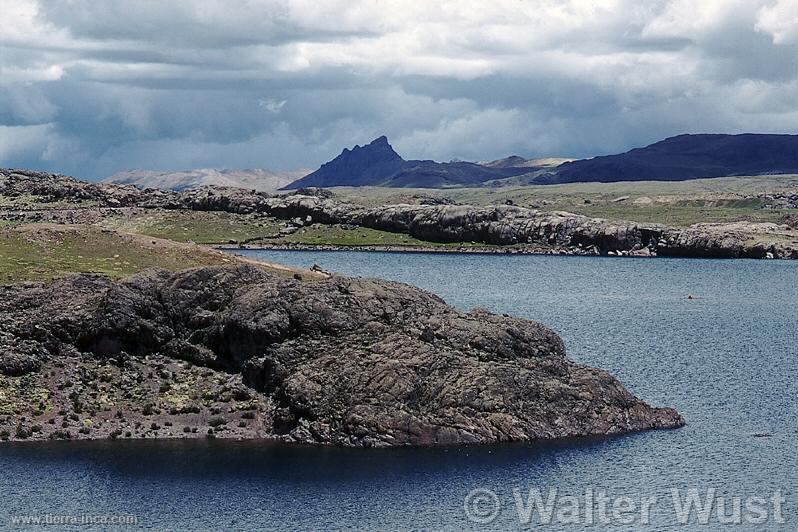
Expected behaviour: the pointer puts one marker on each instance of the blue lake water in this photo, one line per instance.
(726, 359)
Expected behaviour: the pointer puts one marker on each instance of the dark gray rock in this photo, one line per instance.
(356, 362)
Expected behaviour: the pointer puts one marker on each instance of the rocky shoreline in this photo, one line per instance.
(644, 253)
(502, 225)
(476, 250)
(239, 352)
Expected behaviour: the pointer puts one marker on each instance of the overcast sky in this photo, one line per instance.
(93, 87)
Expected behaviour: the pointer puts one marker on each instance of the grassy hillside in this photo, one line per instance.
(337, 235)
(36, 252)
(194, 226)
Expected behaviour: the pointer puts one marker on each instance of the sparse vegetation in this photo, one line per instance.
(201, 227)
(43, 252)
(216, 421)
(338, 235)
(673, 203)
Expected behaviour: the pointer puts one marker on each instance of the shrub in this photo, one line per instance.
(61, 435)
(216, 421)
(248, 415)
(4, 435)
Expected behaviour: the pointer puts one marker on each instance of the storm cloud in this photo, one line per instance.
(90, 88)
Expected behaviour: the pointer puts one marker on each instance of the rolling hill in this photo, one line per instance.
(258, 179)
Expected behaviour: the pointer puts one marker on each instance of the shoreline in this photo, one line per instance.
(645, 253)
(281, 443)
(459, 250)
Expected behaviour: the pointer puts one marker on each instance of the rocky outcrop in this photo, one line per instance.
(506, 225)
(354, 362)
(18, 183)
(510, 225)
(495, 225)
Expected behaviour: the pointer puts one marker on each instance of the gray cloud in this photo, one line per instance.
(90, 88)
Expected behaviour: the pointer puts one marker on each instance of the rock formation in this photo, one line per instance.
(344, 361)
(496, 225)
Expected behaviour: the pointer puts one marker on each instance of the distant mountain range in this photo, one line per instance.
(258, 179)
(673, 159)
(687, 157)
(377, 164)
(516, 161)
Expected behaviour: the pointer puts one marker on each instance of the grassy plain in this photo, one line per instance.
(37, 252)
(679, 203)
(200, 227)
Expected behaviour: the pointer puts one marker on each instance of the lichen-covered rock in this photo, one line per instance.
(345, 361)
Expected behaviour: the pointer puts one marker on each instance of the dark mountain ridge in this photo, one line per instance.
(689, 156)
(679, 158)
(377, 164)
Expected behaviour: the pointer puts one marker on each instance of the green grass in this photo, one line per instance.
(195, 226)
(18, 394)
(682, 216)
(674, 203)
(34, 254)
(38, 202)
(337, 235)
(485, 196)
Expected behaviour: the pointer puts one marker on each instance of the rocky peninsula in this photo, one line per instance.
(240, 352)
(501, 225)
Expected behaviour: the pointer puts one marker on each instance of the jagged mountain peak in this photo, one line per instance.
(378, 164)
(378, 148)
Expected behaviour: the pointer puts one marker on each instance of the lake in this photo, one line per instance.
(726, 358)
